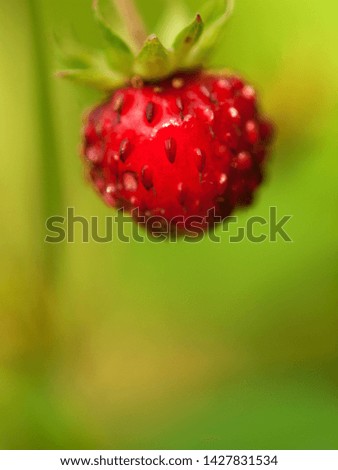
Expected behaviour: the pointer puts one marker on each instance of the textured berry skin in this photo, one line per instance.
(178, 148)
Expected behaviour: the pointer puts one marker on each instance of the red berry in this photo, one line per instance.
(178, 148)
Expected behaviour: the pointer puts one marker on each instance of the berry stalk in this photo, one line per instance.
(230, 8)
(133, 21)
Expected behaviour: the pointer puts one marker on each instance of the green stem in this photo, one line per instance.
(133, 21)
(52, 201)
(230, 8)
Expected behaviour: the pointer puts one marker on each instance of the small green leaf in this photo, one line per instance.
(100, 80)
(118, 54)
(187, 38)
(212, 10)
(202, 51)
(154, 61)
(118, 62)
(74, 56)
(174, 18)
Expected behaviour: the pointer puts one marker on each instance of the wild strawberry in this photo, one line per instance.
(177, 146)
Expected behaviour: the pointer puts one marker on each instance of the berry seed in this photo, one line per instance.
(147, 177)
(200, 159)
(170, 148)
(150, 112)
(125, 149)
(177, 83)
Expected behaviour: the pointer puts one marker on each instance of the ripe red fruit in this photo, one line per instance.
(179, 148)
(172, 143)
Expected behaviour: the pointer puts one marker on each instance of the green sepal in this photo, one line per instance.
(117, 62)
(187, 39)
(85, 66)
(203, 50)
(116, 65)
(174, 18)
(212, 10)
(100, 80)
(118, 54)
(154, 61)
(73, 56)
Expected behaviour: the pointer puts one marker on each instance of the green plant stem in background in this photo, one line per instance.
(52, 201)
(133, 21)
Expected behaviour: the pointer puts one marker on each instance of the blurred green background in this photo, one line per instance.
(146, 346)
